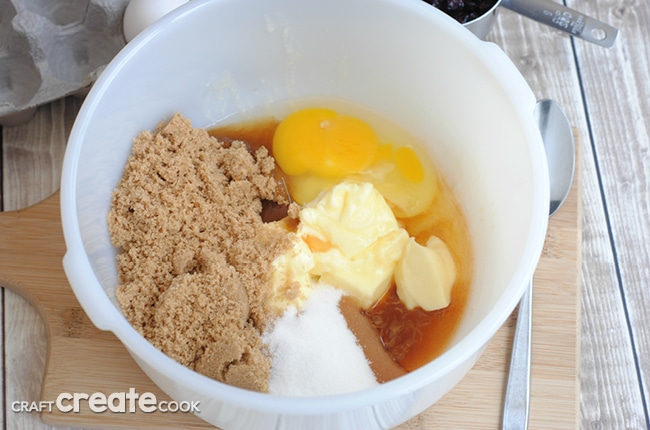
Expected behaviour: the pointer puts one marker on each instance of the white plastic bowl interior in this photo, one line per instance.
(402, 59)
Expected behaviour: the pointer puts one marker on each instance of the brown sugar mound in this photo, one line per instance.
(194, 253)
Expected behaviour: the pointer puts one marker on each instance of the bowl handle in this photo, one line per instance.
(97, 306)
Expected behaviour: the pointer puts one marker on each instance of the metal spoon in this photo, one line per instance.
(560, 152)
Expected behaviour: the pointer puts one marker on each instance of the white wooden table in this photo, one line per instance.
(606, 95)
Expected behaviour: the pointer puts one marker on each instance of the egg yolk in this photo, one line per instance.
(409, 164)
(322, 142)
(317, 148)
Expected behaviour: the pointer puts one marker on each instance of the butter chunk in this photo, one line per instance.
(355, 239)
(350, 216)
(368, 274)
(425, 275)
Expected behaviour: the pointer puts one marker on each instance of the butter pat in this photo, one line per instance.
(425, 275)
(355, 239)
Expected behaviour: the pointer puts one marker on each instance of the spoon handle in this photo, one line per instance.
(517, 401)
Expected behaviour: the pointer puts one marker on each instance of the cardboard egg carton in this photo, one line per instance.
(53, 48)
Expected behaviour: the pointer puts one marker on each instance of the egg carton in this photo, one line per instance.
(53, 48)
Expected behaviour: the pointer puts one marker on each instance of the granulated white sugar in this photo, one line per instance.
(314, 353)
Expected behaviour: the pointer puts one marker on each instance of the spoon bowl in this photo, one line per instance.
(560, 150)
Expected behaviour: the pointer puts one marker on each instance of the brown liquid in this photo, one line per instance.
(416, 337)
(256, 133)
(412, 337)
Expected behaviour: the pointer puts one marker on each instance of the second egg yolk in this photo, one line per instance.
(322, 142)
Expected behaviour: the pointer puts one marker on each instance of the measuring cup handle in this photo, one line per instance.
(565, 19)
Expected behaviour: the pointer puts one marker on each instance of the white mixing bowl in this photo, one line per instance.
(403, 60)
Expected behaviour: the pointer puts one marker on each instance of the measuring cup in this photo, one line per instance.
(552, 14)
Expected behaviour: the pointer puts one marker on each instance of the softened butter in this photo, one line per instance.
(425, 275)
(355, 239)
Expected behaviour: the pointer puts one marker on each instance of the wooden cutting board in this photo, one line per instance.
(83, 359)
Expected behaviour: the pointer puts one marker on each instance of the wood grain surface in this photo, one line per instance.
(606, 94)
(83, 359)
(616, 85)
